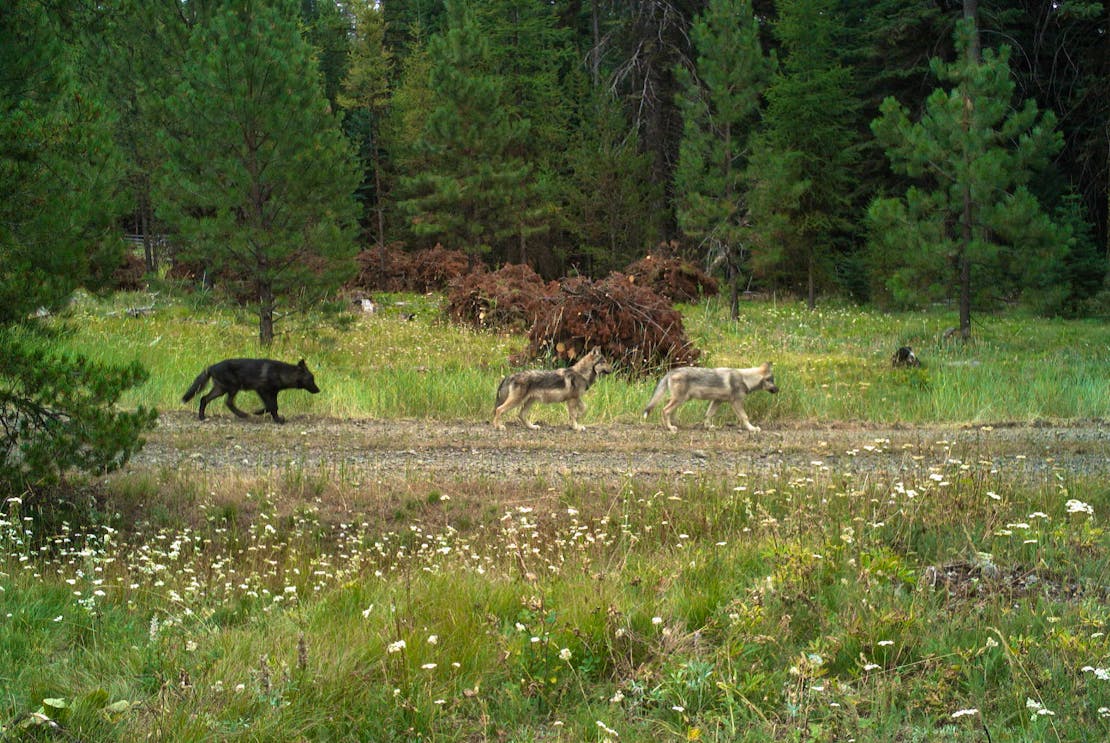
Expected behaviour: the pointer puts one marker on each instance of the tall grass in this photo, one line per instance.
(800, 604)
(831, 364)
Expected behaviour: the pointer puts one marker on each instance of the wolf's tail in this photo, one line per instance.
(196, 386)
(502, 391)
(660, 389)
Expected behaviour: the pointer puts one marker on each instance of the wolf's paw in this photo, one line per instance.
(672, 429)
(754, 429)
(533, 426)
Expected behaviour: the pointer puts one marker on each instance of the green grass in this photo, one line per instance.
(831, 364)
(954, 601)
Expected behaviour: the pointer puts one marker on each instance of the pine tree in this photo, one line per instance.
(59, 177)
(801, 168)
(973, 223)
(471, 189)
(261, 180)
(610, 191)
(720, 106)
(365, 96)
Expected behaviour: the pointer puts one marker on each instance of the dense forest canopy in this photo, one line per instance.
(578, 135)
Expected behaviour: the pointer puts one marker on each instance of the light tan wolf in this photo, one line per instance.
(715, 385)
(526, 388)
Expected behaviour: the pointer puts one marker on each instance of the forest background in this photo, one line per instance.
(278, 138)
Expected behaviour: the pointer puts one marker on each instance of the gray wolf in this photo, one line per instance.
(904, 356)
(265, 376)
(715, 385)
(526, 388)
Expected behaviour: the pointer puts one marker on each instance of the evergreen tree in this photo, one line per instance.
(59, 174)
(365, 96)
(720, 104)
(610, 193)
(972, 223)
(261, 180)
(801, 168)
(472, 187)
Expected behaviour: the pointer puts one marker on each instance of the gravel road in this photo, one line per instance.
(612, 451)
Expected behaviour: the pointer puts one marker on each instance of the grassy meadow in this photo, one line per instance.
(832, 364)
(963, 599)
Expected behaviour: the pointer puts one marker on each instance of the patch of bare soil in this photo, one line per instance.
(609, 452)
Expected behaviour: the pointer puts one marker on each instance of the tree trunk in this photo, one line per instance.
(595, 49)
(380, 206)
(967, 234)
(811, 300)
(265, 314)
(734, 288)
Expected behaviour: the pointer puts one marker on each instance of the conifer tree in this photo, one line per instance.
(260, 181)
(365, 96)
(610, 192)
(59, 179)
(800, 171)
(972, 224)
(471, 188)
(720, 103)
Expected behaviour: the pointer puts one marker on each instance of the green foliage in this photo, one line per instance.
(801, 168)
(58, 414)
(260, 183)
(609, 190)
(720, 102)
(474, 188)
(58, 169)
(972, 155)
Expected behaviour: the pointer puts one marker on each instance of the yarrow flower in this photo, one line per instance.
(964, 712)
(1078, 506)
(565, 654)
(395, 647)
(1039, 710)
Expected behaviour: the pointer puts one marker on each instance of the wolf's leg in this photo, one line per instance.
(575, 407)
(215, 392)
(230, 403)
(738, 406)
(709, 413)
(269, 399)
(669, 408)
(511, 401)
(524, 411)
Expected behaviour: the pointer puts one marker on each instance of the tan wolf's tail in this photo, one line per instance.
(502, 392)
(660, 389)
(196, 386)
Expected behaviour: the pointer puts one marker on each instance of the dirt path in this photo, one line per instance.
(468, 449)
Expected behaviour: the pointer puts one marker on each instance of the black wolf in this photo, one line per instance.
(265, 376)
(526, 388)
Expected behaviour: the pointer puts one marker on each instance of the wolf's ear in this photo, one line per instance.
(766, 366)
(302, 364)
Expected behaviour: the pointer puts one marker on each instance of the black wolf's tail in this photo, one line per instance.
(196, 386)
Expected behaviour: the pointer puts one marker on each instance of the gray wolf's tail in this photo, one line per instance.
(502, 391)
(657, 395)
(196, 386)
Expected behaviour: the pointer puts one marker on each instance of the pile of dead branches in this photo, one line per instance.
(674, 278)
(506, 299)
(392, 269)
(382, 268)
(434, 268)
(636, 328)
